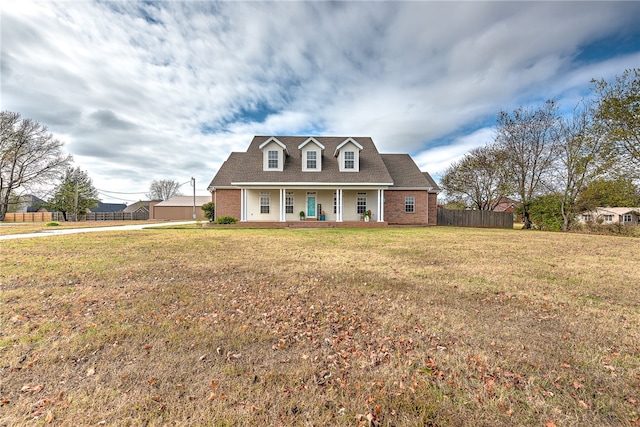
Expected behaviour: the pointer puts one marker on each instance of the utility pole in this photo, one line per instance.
(193, 183)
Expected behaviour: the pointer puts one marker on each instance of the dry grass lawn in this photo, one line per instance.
(393, 327)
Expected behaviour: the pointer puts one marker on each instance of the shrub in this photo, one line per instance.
(209, 210)
(226, 220)
(52, 224)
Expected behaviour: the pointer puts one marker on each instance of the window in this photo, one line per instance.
(361, 202)
(312, 157)
(626, 218)
(349, 158)
(608, 218)
(264, 204)
(289, 204)
(273, 159)
(409, 204)
(586, 217)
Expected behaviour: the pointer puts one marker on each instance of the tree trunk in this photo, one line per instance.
(526, 220)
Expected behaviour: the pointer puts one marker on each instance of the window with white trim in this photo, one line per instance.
(586, 217)
(361, 203)
(626, 218)
(409, 204)
(264, 202)
(608, 218)
(289, 203)
(312, 159)
(272, 159)
(349, 160)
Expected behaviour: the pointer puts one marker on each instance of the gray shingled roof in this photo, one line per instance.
(375, 168)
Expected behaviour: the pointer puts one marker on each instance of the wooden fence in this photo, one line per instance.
(29, 217)
(91, 216)
(486, 219)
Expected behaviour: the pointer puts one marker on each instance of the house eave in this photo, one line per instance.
(281, 184)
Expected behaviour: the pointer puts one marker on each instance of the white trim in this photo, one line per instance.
(274, 139)
(345, 142)
(308, 140)
(316, 184)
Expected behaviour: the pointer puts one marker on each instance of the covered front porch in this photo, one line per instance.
(331, 205)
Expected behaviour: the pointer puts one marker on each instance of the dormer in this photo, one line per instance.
(273, 155)
(311, 155)
(348, 154)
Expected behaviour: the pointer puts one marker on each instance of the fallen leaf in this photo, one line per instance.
(91, 371)
(49, 418)
(550, 424)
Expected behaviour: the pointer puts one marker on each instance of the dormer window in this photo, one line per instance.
(349, 160)
(274, 153)
(312, 159)
(348, 155)
(311, 155)
(273, 159)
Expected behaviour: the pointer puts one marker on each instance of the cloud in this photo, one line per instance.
(149, 90)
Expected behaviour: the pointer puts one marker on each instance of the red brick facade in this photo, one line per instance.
(227, 203)
(395, 212)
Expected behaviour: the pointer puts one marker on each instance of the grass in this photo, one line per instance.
(398, 327)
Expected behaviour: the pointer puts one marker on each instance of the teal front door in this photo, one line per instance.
(311, 206)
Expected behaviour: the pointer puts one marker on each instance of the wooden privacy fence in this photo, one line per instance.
(485, 219)
(91, 216)
(29, 217)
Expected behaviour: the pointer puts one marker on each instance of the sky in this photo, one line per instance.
(142, 91)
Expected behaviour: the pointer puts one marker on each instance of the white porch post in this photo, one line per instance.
(339, 205)
(381, 205)
(283, 212)
(243, 204)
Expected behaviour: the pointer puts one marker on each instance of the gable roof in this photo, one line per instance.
(247, 168)
(618, 210)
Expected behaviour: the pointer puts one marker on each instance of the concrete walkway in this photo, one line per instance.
(60, 232)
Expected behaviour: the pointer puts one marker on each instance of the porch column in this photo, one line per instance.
(339, 205)
(243, 204)
(381, 205)
(283, 210)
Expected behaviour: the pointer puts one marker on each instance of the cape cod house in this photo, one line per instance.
(335, 179)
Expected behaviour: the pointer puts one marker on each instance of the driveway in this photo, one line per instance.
(59, 232)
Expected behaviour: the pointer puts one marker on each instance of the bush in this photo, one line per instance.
(209, 210)
(52, 224)
(226, 220)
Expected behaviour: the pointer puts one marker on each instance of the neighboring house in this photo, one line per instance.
(30, 203)
(138, 210)
(335, 179)
(109, 207)
(178, 208)
(506, 204)
(618, 215)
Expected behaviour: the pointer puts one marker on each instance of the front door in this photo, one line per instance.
(311, 206)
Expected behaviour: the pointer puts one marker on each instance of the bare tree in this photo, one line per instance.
(163, 189)
(478, 178)
(530, 139)
(29, 156)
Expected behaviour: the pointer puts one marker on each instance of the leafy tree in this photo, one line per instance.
(529, 137)
(455, 205)
(75, 194)
(618, 114)
(209, 210)
(545, 212)
(479, 178)
(603, 192)
(582, 157)
(29, 156)
(163, 189)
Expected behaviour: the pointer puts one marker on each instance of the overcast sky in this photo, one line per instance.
(166, 90)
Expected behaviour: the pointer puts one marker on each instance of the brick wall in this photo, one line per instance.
(394, 209)
(227, 203)
(433, 208)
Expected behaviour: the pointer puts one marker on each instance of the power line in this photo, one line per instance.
(119, 192)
